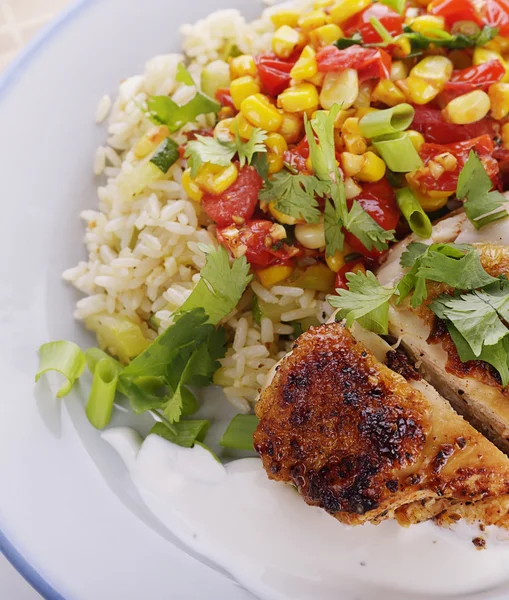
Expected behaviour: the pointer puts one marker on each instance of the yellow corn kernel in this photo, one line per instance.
(433, 69)
(436, 169)
(242, 88)
(351, 136)
(403, 47)
(317, 79)
(447, 160)
(342, 116)
(306, 66)
(482, 55)
(261, 113)
(364, 95)
(272, 275)
(467, 108)
(281, 217)
(215, 179)
(387, 92)
(224, 130)
(344, 9)
(285, 41)
(364, 110)
(352, 190)
(276, 143)
(275, 162)
(149, 142)
(285, 17)
(424, 23)
(336, 261)
(432, 201)
(499, 98)
(398, 70)
(505, 136)
(309, 164)
(503, 43)
(243, 126)
(291, 127)
(322, 4)
(299, 98)
(310, 235)
(312, 20)
(373, 168)
(225, 112)
(242, 65)
(416, 138)
(325, 35)
(339, 87)
(351, 163)
(418, 90)
(190, 187)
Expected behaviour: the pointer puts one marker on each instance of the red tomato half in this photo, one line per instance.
(379, 201)
(389, 18)
(370, 63)
(448, 181)
(255, 235)
(296, 157)
(476, 77)
(430, 123)
(455, 10)
(496, 14)
(239, 200)
(274, 73)
(341, 280)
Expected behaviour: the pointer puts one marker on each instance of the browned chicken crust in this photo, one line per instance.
(358, 440)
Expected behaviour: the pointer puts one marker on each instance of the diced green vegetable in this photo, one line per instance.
(315, 277)
(65, 357)
(215, 75)
(240, 431)
(102, 394)
(166, 155)
(414, 214)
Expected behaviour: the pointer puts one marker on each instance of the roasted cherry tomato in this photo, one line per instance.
(448, 181)
(370, 63)
(379, 201)
(455, 10)
(430, 123)
(349, 267)
(496, 14)
(239, 200)
(255, 241)
(224, 98)
(476, 77)
(274, 73)
(389, 18)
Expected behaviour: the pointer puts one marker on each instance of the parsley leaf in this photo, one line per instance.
(205, 149)
(482, 206)
(365, 301)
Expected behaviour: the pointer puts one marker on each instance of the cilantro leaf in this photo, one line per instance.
(482, 206)
(220, 287)
(254, 145)
(185, 433)
(366, 229)
(365, 301)
(323, 153)
(261, 165)
(333, 224)
(439, 38)
(412, 253)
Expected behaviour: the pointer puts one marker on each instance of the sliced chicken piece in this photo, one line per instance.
(359, 440)
(473, 388)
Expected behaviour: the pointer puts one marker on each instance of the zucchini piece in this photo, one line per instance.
(215, 75)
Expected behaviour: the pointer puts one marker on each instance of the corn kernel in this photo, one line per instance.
(424, 23)
(339, 87)
(503, 43)
(285, 41)
(364, 110)
(364, 95)
(285, 17)
(447, 160)
(223, 131)
(505, 136)
(190, 187)
(398, 70)
(243, 126)
(242, 88)
(342, 116)
(467, 108)
(272, 275)
(281, 217)
(149, 142)
(418, 90)
(306, 66)
(433, 69)
(215, 179)
(322, 4)
(351, 163)
(436, 169)
(275, 162)
(242, 65)
(352, 190)
(261, 113)
(416, 138)
(351, 136)
(336, 261)
(309, 164)
(387, 92)
(482, 55)
(276, 143)
(402, 47)
(325, 35)
(312, 20)
(225, 112)
(291, 127)
(317, 79)
(432, 201)
(373, 168)
(299, 98)
(499, 98)
(344, 9)
(311, 235)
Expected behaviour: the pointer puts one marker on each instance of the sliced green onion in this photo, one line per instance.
(66, 358)
(183, 433)
(94, 355)
(398, 152)
(412, 211)
(102, 395)
(166, 155)
(388, 121)
(239, 433)
(397, 5)
(382, 32)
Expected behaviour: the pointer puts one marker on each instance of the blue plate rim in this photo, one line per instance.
(7, 79)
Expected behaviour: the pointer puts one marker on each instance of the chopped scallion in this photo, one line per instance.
(398, 152)
(387, 121)
(381, 30)
(239, 434)
(64, 357)
(102, 394)
(397, 5)
(412, 211)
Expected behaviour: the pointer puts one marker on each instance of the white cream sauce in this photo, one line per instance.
(279, 548)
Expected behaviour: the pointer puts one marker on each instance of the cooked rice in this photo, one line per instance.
(149, 278)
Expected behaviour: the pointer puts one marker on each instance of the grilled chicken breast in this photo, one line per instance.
(474, 387)
(364, 443)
